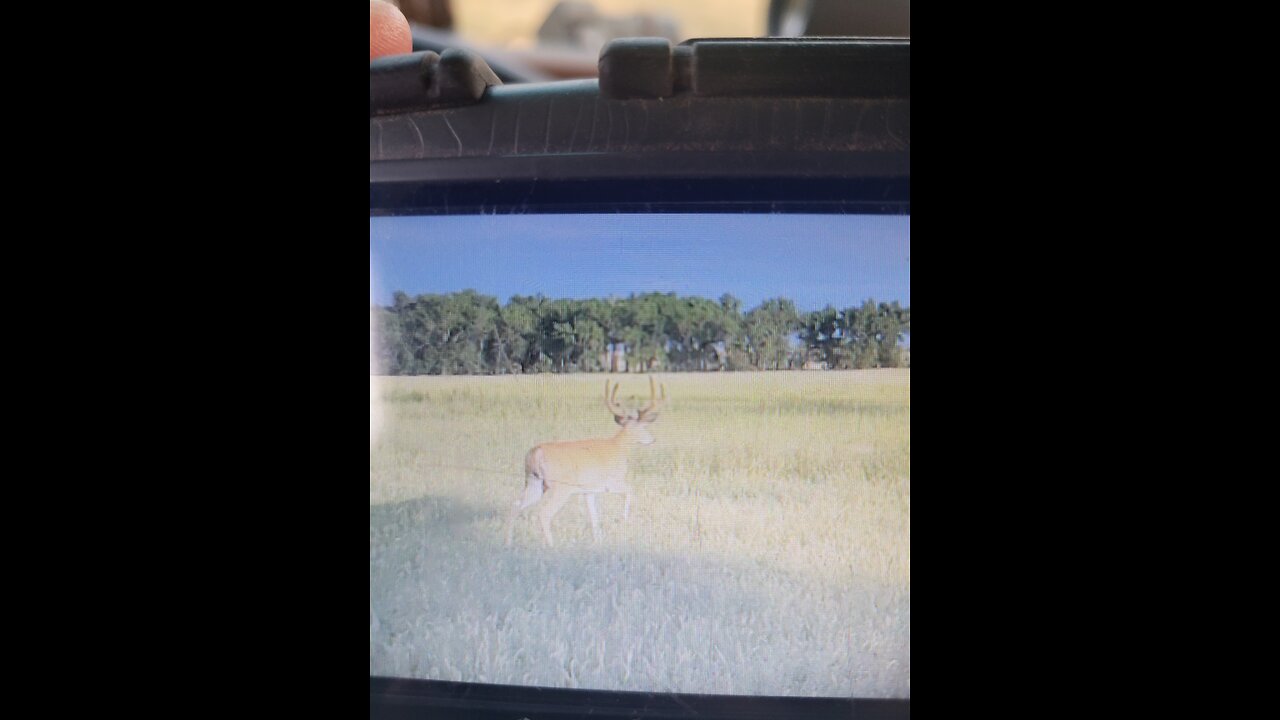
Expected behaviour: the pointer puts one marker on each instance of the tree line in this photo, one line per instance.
(467, 333)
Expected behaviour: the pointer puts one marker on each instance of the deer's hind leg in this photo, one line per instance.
(556, 498)
(529, 497)
(621, 486)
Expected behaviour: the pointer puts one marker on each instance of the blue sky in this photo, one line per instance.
(812, 259)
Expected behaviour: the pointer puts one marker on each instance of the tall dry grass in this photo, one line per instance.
(768, 550)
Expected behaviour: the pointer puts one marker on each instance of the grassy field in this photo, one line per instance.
(767, 552)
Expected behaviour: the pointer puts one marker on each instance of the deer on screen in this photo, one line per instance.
(556, 471)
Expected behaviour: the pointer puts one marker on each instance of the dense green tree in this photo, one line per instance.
(468, 333)
(821, 332)
(768, 330)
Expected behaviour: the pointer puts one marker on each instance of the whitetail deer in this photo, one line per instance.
(560, 470)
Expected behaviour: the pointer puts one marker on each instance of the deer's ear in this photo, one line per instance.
(621, 419)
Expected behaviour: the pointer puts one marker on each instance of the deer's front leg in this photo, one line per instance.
(595, 517)
(621, 486)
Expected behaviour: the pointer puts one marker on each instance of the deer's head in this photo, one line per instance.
(635, 423)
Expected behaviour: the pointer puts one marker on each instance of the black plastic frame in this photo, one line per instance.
(688, 195)
(393, 699)
(781, 125)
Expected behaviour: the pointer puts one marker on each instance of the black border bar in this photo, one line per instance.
(396, 698)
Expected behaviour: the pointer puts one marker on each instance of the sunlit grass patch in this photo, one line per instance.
(768, 549)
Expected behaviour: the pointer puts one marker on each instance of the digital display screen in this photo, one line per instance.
(664, 453)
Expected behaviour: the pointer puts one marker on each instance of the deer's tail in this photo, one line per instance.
(535, 467)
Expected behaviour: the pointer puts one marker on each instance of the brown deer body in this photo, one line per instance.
(556, 471)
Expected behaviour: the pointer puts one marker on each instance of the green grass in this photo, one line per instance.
(767, 552)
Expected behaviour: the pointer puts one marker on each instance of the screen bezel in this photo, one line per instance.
(412, 698)
(870, 196)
